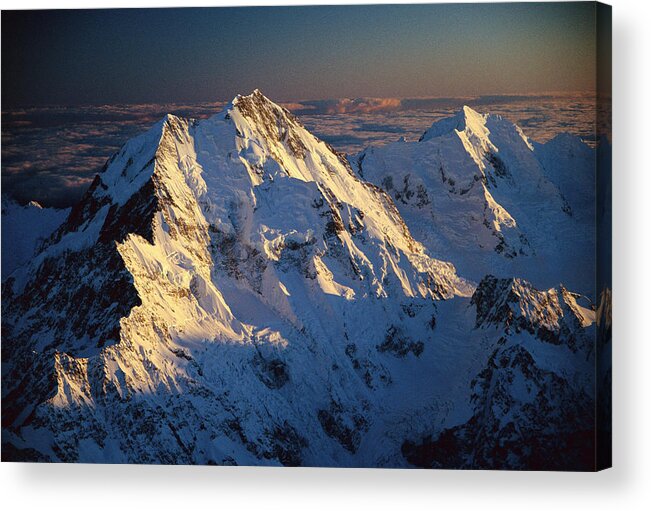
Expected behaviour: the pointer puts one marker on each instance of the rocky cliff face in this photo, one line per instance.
(229, 291)
(527, 411)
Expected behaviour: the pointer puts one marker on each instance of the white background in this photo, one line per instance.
(625, 487)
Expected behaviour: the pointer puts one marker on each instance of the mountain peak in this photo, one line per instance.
(477, 129)
(258, 107)
(472, 117)
(465, 120)
(514, 303)
(170, 119)
(35, 204)
(256, 117)
(256, 97)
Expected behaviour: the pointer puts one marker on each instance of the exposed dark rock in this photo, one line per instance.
(28, 455)
(286, 445)
(343, 426)
(272, 372)
(525, 418)
(499, 167)
(398, 344)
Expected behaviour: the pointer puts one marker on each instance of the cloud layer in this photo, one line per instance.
(51, 154)
(352, 125)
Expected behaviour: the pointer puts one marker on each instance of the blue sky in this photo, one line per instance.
(175, 55)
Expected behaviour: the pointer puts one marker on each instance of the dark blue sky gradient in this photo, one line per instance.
(174, 55)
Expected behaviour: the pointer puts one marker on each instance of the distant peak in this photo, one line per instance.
(565, 139)
(465, 119)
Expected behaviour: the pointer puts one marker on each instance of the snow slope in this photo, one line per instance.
(475, 190)
(230, 292)
(24, 228)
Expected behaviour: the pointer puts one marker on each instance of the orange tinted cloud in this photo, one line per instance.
(364, 105)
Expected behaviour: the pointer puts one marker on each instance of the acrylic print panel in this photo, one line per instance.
(351, 236)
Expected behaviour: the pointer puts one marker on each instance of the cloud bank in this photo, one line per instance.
(51, 154)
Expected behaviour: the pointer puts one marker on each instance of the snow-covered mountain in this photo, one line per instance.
(230, 291)
(475, 190)
(24, 231)
(524, 399)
